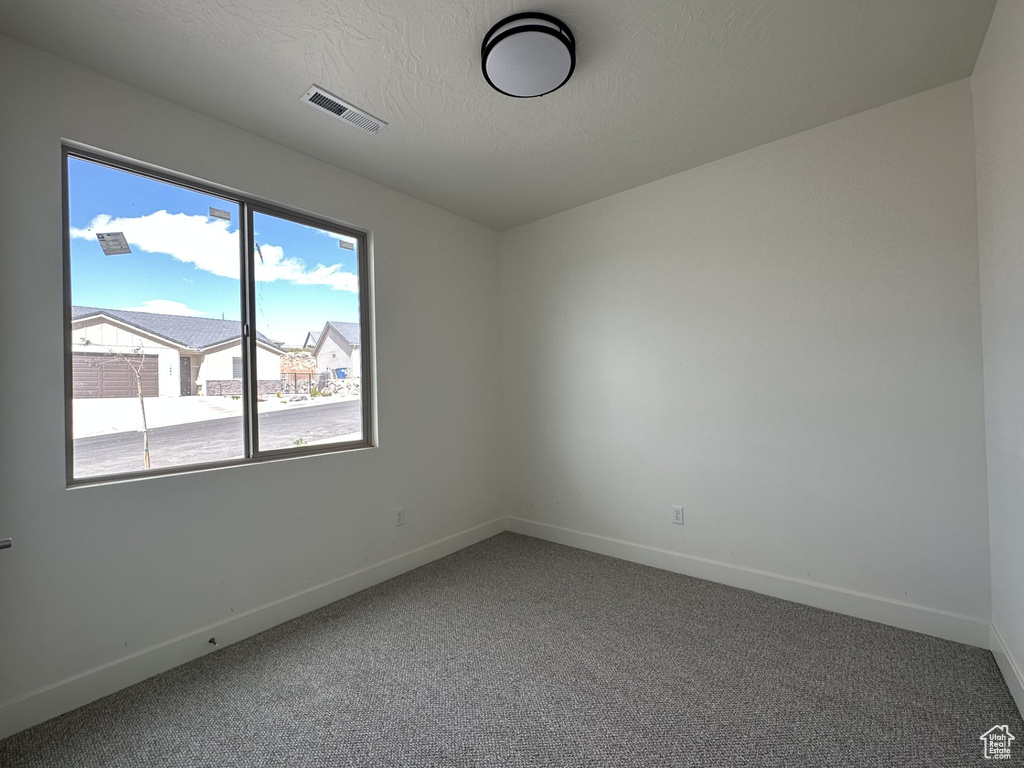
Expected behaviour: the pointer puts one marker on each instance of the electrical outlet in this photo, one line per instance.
(677, 515)
(400, 516)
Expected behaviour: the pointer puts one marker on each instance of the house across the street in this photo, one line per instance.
(175, 355)
(337, 350)
(311, 339)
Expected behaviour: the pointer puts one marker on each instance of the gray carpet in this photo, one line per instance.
(518, 652)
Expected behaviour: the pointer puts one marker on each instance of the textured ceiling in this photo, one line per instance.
(660, 85)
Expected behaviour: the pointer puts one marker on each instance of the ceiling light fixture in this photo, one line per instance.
(528, 54)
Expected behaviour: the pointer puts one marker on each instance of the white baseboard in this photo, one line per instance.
(917, 618)
(63, 696)
(1011, 671)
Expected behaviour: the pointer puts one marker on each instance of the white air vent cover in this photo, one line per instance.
(328, 102)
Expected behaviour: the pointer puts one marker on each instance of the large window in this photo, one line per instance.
(204, 327)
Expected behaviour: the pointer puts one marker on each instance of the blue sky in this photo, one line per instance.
(186, 262)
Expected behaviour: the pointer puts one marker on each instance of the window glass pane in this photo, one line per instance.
(155, 329)
(309, 355)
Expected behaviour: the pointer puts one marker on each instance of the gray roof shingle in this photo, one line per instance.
(191, 332)
(349, 331)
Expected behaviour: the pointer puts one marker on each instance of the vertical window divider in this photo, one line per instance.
(250, 381)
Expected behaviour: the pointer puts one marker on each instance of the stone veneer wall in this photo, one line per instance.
(234, 386)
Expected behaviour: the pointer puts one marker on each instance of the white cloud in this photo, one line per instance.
(271, 265)
(165, 307)
(209, 245)
(197, 240)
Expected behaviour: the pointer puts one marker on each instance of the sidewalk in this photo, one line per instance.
(106, 416)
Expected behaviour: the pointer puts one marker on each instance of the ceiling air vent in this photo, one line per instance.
(328, 102)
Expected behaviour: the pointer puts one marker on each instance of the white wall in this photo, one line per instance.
(220, 364)
(334, 353)
(268, 364)
(100, 574)
(800, 367)
(998, 90)
(356, 369)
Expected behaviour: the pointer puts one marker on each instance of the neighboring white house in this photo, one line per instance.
(175, 355)
(338, 350)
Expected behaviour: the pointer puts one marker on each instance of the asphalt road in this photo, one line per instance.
(209, 441)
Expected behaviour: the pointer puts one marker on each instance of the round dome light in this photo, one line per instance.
(528, 54)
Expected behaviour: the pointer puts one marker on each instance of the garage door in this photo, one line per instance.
(99, 375)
